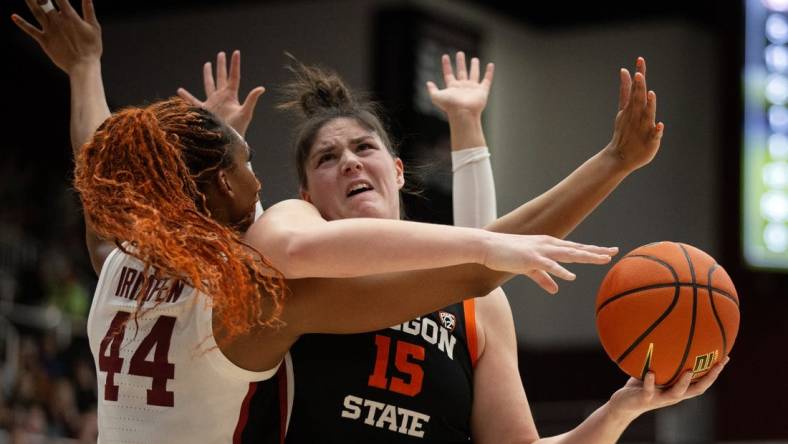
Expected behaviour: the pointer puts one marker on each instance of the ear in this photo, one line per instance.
(305, 195)
(400, 167)
(223, 183)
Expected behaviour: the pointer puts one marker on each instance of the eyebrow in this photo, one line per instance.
(320, 151)
(358, 140)
(331, 146)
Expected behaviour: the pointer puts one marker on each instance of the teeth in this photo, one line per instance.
(358, 188)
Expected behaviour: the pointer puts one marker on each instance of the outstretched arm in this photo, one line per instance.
(635, 142)
(73, 43)
(368, 303)
(463, 99)
(498, 388)
(300, 243)
(608, 422)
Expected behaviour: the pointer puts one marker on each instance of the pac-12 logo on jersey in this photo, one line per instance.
(448, 320)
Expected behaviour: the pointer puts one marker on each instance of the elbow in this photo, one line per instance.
(280, 249)
(490, 283)
(482, 287)
(293, 261)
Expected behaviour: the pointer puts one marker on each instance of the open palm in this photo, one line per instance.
(464, 92)
(65, 37)
(222, 93)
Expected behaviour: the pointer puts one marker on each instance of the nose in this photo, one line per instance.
(350, 163)
(259, 184)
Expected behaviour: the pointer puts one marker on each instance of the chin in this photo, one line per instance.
(244, 224)
(369, 211)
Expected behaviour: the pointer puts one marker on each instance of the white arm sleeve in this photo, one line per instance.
(473, 190)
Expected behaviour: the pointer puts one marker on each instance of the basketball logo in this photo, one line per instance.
(448, 320)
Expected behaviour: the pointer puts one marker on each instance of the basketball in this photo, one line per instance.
(668, 308)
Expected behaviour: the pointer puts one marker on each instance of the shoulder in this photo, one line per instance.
(282, 216)
(289, 205)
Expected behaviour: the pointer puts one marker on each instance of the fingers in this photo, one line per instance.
(207, 79)
(573, 252)
(639, 90)
(680, 388)
(65, 7)
(235, 71)
(554, 268)
(610, 251)
(659, 130)
(701, 385)
(251, 100)
(488, 75)
(221, 70)
(462, 71)
(624, 88)
(640, 65)
(575, 255)
(651, 106)
(186, 95)
(89, 12)
(448, 72)
(474, 75)
(38, 13)
(432, 88)
(29, 29)
(543, 280)
(649, 384)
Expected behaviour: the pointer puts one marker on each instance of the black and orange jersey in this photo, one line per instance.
(409, 383)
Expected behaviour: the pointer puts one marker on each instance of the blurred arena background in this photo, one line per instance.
(552, 106)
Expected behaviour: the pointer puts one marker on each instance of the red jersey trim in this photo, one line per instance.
(243, 416)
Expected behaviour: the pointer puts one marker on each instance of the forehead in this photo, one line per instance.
(342, 130)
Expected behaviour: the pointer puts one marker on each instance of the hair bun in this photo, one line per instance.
(315, 90)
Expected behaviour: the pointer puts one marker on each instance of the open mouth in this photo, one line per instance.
(359, 188)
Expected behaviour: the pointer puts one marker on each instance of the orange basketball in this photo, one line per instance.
(669, 308)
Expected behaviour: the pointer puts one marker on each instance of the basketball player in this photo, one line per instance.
(451, 375)
(169, 184)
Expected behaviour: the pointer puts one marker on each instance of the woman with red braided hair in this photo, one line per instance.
(168, 185)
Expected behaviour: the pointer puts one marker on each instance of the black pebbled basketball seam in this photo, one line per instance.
(716, 315)
(694, 316)
(674, 284)
(717, 291)
(661, 317)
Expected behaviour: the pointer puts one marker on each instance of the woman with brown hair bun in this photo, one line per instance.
(187, 312)
(451, 375)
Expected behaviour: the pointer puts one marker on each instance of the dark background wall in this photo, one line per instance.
(552, 107)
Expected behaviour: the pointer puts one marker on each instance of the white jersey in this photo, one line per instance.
(161, 378)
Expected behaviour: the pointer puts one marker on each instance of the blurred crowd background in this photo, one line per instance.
(552, 106)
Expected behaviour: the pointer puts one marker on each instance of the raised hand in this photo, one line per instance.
(222, 93)
(638, 397)
(538, 257)
(463, 92)
(636, 136)
(69, 40)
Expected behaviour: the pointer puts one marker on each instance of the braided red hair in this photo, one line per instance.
(139, 182)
